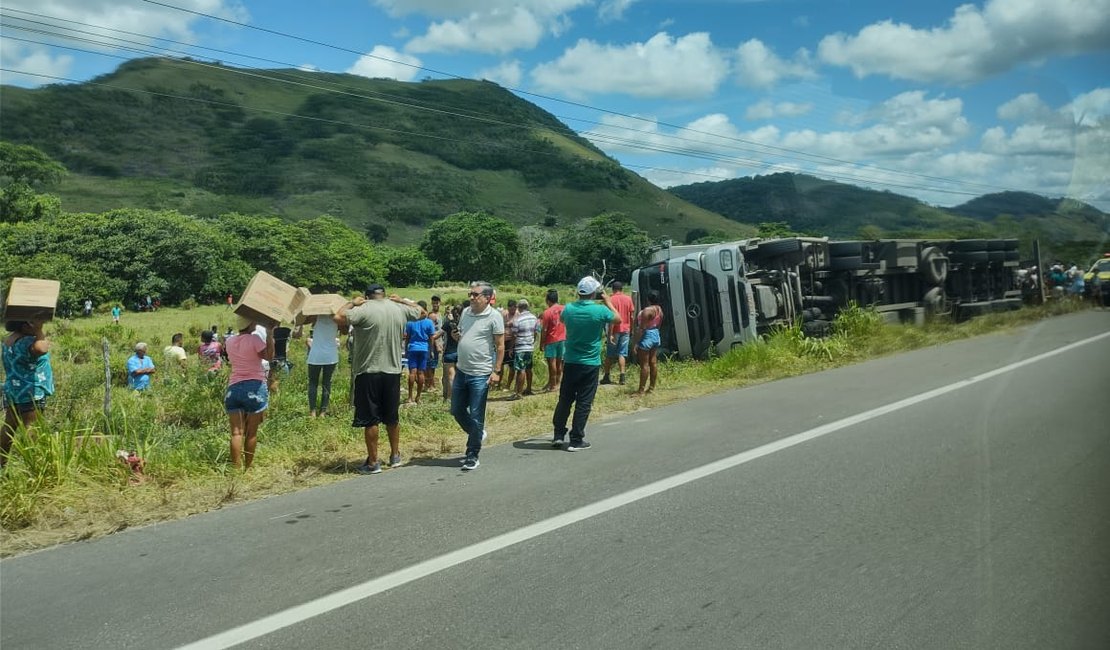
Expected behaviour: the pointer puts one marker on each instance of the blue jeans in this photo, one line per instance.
(468, 405)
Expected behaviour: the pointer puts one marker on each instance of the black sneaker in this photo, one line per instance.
(557, 443)
(470, 464)
(622, 379)
(578, 446)
(605, 380)
(367, 468)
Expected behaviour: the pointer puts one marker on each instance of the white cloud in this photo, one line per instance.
(140, 18)
(670, 177)
(757, 66)
(975, 43)
(497, 31)
(507, 73)
(491, 26)
(614, 9)
(766, 109)
(1024, 107)
(1090, 109)
(446, 8)
(33, 60)
(685, 67)
(384, 62)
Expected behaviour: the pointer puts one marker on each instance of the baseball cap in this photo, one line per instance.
(588, 286)
(374, 288)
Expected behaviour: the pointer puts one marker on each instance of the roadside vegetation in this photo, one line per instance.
(65, 483)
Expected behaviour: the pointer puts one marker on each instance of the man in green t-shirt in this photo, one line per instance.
(586, 321)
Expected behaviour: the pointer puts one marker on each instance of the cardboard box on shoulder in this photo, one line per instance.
(269, 301)
(31, 299)
(323, 304)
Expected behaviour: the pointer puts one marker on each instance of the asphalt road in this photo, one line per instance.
(976, 515)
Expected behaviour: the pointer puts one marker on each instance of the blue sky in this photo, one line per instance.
(939, 100)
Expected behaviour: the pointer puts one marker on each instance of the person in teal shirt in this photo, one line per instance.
(116, 311)
(28, 379)
(586, 321)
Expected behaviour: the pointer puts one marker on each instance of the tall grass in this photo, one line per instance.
(64, 482)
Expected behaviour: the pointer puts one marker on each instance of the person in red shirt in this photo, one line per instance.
(618, 334)
(553, 340)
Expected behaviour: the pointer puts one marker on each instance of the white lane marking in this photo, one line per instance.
(345, 597)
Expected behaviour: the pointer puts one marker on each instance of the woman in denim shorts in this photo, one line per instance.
(28, 379)
(247, 395)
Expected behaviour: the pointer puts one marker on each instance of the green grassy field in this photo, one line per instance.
(65, 484)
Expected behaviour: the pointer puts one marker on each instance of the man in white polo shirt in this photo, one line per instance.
(481, 337)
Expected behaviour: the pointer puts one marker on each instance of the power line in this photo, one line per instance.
(784, 150)
(607, 138)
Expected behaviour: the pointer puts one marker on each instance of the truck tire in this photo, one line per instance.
(845, 263)
(845, 248)
(935, 301)
(963, 245)
(777, 247)
(933, 265)
(970, 257)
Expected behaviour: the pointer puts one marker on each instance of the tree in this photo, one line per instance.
(23, 169)
(408, 267)
(21, 163)
(609, 241)
(472, 245)
(775, 230)
(377, 232)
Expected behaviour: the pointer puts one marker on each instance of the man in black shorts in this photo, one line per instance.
(376, 366)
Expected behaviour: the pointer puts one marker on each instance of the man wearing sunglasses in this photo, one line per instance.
(481, 349)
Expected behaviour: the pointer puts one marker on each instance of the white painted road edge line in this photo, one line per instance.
(334, 601)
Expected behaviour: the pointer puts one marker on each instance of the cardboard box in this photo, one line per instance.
(324, 304)
(269, 301)
(31, 299)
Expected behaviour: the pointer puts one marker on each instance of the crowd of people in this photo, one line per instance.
(391, 342)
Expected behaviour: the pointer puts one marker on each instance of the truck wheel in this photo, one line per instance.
(845, 263)
(970, 257)
(968, 245)
(934, 265)
(845, 248)
(779, 247)
(935, 301)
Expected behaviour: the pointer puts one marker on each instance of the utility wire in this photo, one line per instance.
(783, 150)
(596, 136)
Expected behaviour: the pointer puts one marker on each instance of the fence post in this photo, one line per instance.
(107, 380)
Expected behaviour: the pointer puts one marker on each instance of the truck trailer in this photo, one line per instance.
(717, 296)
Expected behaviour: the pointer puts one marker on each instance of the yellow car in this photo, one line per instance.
(1102, 268)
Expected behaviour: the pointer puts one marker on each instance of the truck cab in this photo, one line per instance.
(706, 300)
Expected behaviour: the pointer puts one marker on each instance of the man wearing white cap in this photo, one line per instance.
(586, 323)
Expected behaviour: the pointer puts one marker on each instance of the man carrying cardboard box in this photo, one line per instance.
(376, 366)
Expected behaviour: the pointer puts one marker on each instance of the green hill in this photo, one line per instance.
(823, 207)
(208, 139)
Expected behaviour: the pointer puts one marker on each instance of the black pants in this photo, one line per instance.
(314, 372)
(578, 388)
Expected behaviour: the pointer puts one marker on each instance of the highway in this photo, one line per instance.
(950, 497)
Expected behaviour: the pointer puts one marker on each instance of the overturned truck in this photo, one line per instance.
(718, 296)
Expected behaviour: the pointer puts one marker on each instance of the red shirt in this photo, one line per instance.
(623, 305)
(553, 329)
